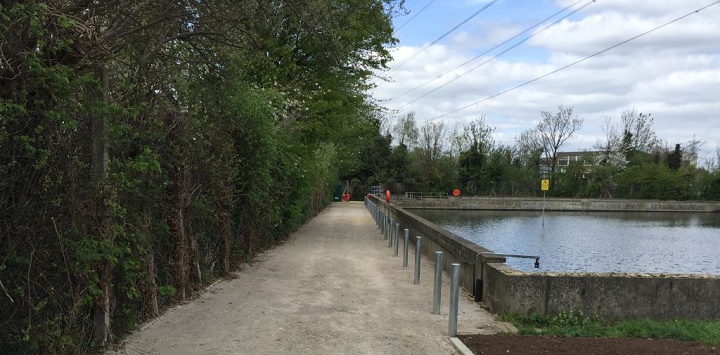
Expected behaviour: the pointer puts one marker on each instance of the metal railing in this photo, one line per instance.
(421, 195)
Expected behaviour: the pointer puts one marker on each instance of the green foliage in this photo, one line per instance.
(218, 147)
(577, 324)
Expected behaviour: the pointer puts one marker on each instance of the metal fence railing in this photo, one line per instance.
(420, 195)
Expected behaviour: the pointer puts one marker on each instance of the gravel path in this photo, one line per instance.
(333, 288)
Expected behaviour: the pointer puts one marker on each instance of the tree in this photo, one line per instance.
(474, 144)
(476, 135)
(553, 130)
(674, 160)
(637, 133)
(612, 161)
(429, 152)
(406, 131)
(269, 95)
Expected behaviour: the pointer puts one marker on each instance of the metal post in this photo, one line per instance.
(417, 259)
(390, 233)
(406, 240)
(388, 223)
(397, 239)
(384, 222)
(438, 282)
(454, 295)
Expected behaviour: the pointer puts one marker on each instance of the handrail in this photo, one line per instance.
(483, 255)
(419, 195)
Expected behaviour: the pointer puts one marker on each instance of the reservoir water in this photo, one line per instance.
(643, 242)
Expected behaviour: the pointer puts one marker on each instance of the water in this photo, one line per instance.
(644, 242)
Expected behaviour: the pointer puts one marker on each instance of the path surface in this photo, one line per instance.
(333, 288)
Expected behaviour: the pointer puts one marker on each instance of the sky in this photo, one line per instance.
(672, 73)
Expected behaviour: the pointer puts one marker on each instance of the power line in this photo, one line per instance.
(501, 53)
(579, 61)
(493, 48)
(423, 49)
(413, 17)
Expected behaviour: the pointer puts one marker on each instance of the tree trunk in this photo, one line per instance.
(176, 202)
(151, 301)
(225, 230)
(101, 308)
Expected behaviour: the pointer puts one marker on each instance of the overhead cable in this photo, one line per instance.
(492, 49)
(501, 53)
(424, 48)
(580, 61)
(413, 17)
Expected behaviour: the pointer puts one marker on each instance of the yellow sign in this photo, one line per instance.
(545, 185)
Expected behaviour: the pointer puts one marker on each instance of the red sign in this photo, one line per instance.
(387, 196)
(456, 192)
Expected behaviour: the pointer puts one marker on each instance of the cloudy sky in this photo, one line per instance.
(672, 73)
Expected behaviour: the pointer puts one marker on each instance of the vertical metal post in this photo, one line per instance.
(397, 239)
(438, 282)
(417, 259)
(393, 232)
(390, 233)
(388, 223)
(406, 240)
(454, 295)
(383, 222)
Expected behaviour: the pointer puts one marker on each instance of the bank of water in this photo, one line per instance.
(642, 242)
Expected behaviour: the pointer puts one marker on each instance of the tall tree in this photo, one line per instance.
(553, 130)
(406, 131)
(431, 140)
(674, 159)
(475, 145)
(637, 133)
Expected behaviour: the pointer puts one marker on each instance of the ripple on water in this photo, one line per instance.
(644, 242)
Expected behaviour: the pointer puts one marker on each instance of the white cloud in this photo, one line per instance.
(672, 73)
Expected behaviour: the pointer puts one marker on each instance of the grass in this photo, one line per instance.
(576, 324)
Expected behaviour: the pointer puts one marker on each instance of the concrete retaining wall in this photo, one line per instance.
(558, 204)
(611, 296)
(608, 295)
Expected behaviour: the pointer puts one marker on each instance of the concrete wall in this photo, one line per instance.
(558, 204)
(608, 295)
(611, 296)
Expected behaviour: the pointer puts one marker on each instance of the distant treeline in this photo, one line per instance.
(630, 161)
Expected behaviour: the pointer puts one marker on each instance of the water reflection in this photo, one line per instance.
(650, 242)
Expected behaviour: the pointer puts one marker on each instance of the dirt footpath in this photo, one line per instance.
(333, 288)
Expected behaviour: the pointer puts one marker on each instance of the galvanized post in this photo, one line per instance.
(417, 259)
(406, 240)
(397, 239)
(388, 223)
(454, 295)
(390, 233)
(383, 222)
(438, 282)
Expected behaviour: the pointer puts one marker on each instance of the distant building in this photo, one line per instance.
(566, 159)
(689, 159)
(591, 159)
